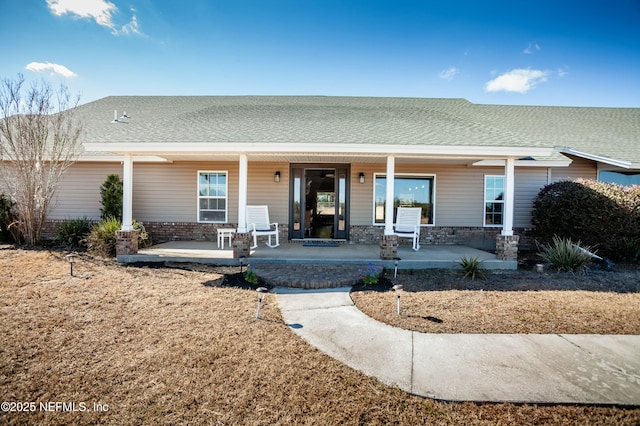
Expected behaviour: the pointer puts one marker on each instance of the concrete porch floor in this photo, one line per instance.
(428, 257)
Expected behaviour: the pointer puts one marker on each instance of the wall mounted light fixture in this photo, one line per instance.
(276, 177)
(361, 177)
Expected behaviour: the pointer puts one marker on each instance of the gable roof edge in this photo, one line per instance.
(594, 157)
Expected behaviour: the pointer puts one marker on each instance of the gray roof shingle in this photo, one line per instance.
(609, 132)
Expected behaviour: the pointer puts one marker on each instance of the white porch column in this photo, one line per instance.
(242, 193)
(388, 209)
(509, 194)
(127, 193)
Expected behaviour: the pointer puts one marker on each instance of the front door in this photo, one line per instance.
(319, 202)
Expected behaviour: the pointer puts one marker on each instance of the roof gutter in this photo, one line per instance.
(458, 151)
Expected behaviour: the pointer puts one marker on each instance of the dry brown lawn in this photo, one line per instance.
(599, 302)
(171, 346)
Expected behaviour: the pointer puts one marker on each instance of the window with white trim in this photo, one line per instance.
(212, 196)
(493, 200)
(409, 191)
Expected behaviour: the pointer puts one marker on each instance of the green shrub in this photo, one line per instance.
(111, 196)
(628, 249)
(250, 275)
(565, 255)
(72, 233)
(8, 216)
(102, 238)
(599, 214)
(471, 267)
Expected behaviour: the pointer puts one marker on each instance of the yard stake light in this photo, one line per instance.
(262, 291)
(71, 257)
(398, 289)
(241, 259)
(395, 263)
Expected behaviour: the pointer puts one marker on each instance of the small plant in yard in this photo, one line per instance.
(72, 233)
(102, 238)
(250, 275)
(564, 255)
(371, 275)
(471, 267)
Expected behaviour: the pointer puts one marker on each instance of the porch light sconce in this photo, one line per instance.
(361, 177)
(276, 177)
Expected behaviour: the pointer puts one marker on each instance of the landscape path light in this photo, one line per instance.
(71, 257)
(396, 260)
(241, 259)
(262, 292)
(398, 289)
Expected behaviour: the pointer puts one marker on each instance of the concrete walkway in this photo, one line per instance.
(531, 368)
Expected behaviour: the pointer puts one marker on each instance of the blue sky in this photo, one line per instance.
(561, 52)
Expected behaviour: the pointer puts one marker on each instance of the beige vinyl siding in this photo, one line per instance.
(263, 190)
(579, 168)
(169, 192)
(362, 193)
(78, 193)
(529, 181)
(459, 192)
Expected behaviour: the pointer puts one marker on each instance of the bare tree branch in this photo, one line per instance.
(39, 140)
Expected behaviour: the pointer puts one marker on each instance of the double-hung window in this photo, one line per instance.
(212, 196)
(493, 200)
(409, 191)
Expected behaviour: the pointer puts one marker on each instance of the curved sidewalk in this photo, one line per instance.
(531, 368)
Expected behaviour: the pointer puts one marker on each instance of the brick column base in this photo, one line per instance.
(389, 247)
(241, 245)
(507, 247)
(126, 243)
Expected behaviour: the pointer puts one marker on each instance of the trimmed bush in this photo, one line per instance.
(601, 215)
(566, 256)
(72, 233)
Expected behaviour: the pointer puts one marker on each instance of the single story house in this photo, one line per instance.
(328, 167)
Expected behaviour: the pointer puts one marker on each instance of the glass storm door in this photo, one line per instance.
(319, 202)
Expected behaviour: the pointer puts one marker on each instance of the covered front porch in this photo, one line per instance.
(294, 253)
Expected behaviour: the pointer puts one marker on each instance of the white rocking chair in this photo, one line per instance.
(258, 224)
(408, 224)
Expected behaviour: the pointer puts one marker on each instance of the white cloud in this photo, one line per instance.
(131, 27)
(517, 80)
(53, 69)
(531, 49)
(449, 73)
(99, 10)
(563, 71)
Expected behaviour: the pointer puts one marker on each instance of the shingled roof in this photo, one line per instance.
(607, 132)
